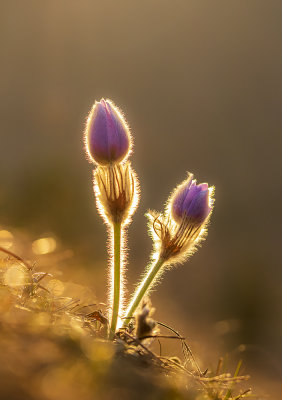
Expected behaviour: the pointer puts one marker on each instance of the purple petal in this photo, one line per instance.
(199, 207)
(191, 201)
(107, 134)
(179, 199)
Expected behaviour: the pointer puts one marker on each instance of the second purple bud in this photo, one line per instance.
(191, 201)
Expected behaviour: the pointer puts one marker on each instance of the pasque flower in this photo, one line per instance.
(107, 135)
(175, 233)
(182, 226)
(108, 145)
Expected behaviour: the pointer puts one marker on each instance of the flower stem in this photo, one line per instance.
(116, 279)
(143, 287)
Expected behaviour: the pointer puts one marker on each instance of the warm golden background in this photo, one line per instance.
(200, 84)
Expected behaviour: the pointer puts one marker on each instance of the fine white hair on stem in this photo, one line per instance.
(111, 271)
(173, 243)
(117, 195)
(117, 192)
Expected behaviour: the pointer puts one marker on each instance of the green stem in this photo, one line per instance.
(116, 278)
(143, 287)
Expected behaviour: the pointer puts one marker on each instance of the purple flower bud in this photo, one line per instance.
(191, 201)
(107, 135)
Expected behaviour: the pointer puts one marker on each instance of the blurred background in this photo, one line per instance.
(200, 85)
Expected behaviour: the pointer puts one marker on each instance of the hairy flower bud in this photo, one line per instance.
(107, 135)
(116, 188)
(177, 232)
(191, 201)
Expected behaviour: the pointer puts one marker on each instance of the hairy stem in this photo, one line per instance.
(142, 289)
(116, 279)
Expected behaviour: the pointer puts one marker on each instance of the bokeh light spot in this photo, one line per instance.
(6, 239)
(44, 245)
(16, 276)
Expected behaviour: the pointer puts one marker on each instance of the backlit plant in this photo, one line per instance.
(176, 232)
(53, 343)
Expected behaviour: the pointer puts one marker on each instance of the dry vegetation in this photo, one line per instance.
(52, 347)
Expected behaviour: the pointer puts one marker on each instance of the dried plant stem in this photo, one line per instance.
(116, 278)
(142, 289)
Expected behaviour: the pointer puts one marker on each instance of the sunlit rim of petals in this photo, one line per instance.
(107, 135)
(191, 201)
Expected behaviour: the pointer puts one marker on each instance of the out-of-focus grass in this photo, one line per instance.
(53, 346)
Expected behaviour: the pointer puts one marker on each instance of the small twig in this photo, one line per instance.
(164, 360)
(185, 348)
(70, 303)
(224, 379)
(93, 304)
(72, 308)
(179, 366)
(161, 337)
(160, 347)
(43, 276)
(242, 395)
(43, 288)
(10, 253)
(137, 341)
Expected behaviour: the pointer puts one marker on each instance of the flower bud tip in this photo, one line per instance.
(107, 135)
(191, 201)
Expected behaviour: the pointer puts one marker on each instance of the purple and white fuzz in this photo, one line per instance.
(178, 231)
(107, 135)
(108, 145)
(116, 189)
(176, 234)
